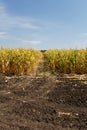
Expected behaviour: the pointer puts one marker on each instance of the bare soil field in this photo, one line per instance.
(43, 101)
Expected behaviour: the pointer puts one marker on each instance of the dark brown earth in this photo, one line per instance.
(43, 101)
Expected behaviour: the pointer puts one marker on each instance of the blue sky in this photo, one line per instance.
(43, 24)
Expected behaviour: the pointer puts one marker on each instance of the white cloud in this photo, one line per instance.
(20, 40)
(32, 42)
(18, 31)
(22, 22)
(8, 21)
(84, 34)
(81, 43)
(3, 34)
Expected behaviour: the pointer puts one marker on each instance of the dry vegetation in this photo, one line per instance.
(45, 100)
(18, 61)
(67, 61)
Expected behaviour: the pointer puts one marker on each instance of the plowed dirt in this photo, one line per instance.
(43, 101)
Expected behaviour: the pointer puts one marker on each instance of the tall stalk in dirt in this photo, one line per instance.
(67, 61)
(18, 61)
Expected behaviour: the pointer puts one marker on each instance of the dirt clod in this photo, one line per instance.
(43, 102)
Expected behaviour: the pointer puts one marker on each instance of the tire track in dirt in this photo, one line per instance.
(43, 101)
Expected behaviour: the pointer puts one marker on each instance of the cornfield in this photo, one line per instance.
(67, 61)
(18, 61)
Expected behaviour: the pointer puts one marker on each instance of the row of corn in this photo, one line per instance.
(67, 61)
(18, 61)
